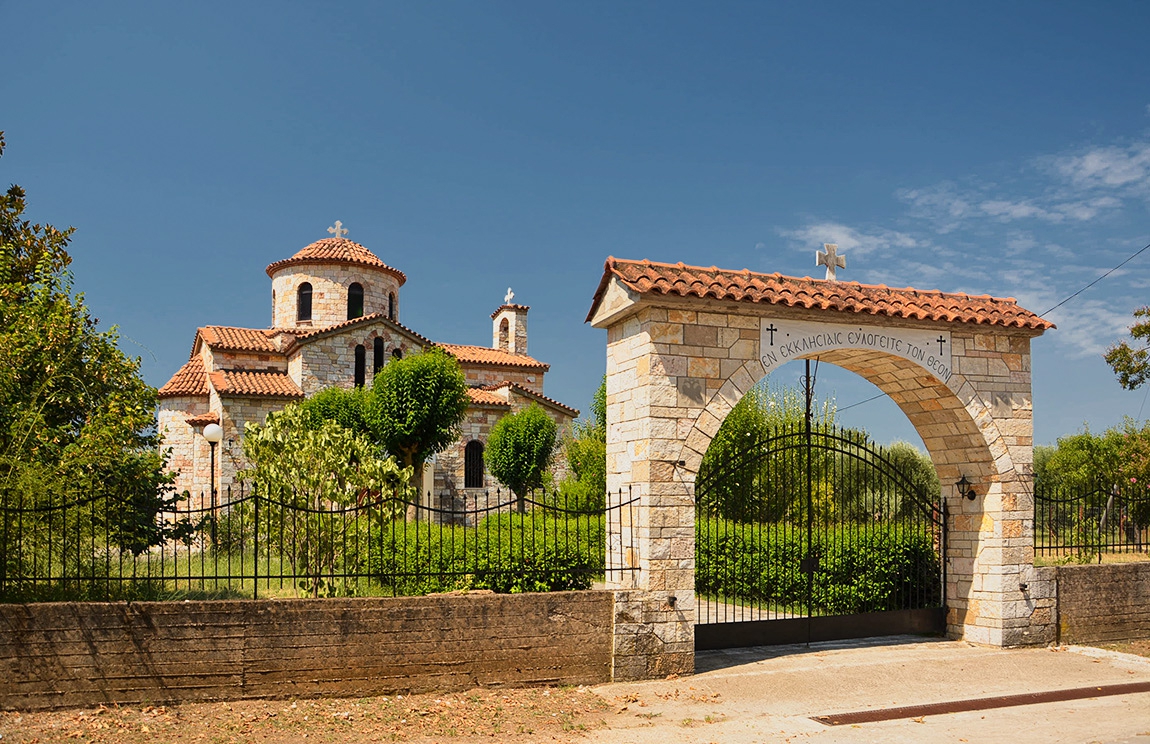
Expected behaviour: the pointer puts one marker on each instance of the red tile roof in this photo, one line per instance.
(528, 392)
(483, 355)
(337, 250)
(501, 308)
(204, 419)
(309, 334)
(190, 379)
(484, 397)
(246, 384)
(648, 277)
(229, 338)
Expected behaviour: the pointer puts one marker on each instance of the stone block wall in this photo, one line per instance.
(330, 361)
(188, 449)
(482, 376)
(1108, 602)
(56, 655)
(329, 285)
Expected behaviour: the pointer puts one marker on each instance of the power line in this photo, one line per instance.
(1091, 284)
(852, 405)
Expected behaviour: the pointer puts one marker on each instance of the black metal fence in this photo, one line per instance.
(1076, 523)
(278, 545)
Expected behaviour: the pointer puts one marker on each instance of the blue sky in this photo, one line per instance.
(985, 148)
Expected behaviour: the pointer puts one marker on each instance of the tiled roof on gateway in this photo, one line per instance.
(337, 250)
(484, 355)
(649, 277)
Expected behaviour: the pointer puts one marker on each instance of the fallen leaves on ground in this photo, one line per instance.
(526, 715)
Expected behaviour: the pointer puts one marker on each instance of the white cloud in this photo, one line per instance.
(861, 242)
(1107, 167)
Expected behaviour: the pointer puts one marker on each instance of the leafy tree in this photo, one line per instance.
(416, 405)
(585, 447)
(76, 420)
(519, 450)
(1132, 365)
(344, 407)
(308, 468)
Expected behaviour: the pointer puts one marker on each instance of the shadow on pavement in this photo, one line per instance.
(710, 661)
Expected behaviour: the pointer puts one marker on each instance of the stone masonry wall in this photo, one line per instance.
(493, 375)
(330, 361)
(1109, 602)
(56, 655)
(329, 285)
(188, 449)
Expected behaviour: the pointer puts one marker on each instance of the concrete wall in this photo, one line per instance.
(1109, 602)
(82, 654)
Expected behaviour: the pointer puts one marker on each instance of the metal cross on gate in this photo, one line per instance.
(338, 229)
(831, 260)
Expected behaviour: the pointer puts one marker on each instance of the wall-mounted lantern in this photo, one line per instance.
(965, 488)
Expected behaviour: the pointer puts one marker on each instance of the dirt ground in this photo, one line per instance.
(1141, 648)
(530, 715)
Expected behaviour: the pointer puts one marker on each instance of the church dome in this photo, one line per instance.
(337, 251)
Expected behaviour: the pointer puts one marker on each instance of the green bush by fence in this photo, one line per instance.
(883, 568)
(507, 553)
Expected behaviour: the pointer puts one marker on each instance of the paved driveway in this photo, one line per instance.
(772, 694)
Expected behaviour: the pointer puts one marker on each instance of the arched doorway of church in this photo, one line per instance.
(807, 529)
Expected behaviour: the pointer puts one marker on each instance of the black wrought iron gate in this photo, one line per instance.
(811, 533)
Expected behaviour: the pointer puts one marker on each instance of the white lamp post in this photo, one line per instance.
(214, 433)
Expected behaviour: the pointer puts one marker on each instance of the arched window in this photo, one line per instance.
(360, 365)
(355, 300)
(473, 464)
(504, 331)
(377, 359)
(391, 305)
(303, 302)
(397, 353)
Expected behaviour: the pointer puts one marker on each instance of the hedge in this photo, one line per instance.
(884, 568)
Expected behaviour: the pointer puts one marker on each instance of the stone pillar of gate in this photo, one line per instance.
(677, 365)
(655, 392)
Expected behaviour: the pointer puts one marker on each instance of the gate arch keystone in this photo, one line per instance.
(685, 343)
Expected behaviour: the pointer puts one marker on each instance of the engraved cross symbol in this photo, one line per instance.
(509, 296)
(338, 230)
(771, 330)
(831, 259)
(941, 341)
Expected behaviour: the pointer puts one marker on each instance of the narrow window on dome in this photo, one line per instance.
(360, 365)
(377, 360)
(473, 464)
(303, 302)
(355, 301)
(391, 305)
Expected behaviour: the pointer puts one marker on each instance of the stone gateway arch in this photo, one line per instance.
(685, 343)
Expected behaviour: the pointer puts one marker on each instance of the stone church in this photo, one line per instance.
(336, 322)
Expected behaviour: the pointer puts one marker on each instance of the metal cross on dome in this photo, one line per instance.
(831, 260)
(509, 297)
(338, 229)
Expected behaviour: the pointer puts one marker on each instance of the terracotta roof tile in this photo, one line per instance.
(245, 384)
(337, 250)
(528, 392)
(485, 397)
(304, 336)
(483, 355)
(648, 277)
(203, 419)
(228, 338)
(190, 379)
(509, 306)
